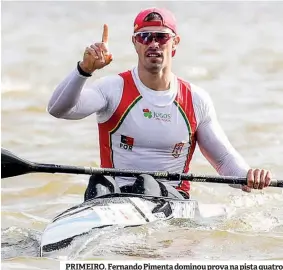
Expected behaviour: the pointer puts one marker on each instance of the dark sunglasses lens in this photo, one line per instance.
(144, 38)
(162, 38)
(147, 37)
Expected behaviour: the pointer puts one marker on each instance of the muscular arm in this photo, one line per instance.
(215, 145)
(71, 100)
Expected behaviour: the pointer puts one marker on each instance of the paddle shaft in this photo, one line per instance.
(51, 168)
(12, 165)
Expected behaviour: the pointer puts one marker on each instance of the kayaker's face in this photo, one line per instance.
(154, 46)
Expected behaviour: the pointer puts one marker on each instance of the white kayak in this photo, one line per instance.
(113, 209)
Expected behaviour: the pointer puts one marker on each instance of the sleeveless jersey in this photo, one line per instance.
(141, 136)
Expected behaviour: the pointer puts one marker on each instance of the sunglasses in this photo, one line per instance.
(146, 38)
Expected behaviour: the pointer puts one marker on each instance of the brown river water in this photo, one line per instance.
(233, 50)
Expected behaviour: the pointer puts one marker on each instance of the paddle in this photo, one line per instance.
(11, 165)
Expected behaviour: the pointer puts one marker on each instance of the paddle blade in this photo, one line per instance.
(12, 165)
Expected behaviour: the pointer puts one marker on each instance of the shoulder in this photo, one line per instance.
(200, 96)
(110, 87)
(202, 103)
(108, 82)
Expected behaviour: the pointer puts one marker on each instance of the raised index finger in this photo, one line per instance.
(105, 33)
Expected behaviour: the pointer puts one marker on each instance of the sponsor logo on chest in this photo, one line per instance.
(166, 117)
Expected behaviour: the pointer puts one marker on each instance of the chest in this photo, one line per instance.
(154, 127)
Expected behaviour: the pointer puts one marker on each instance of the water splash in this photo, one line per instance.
(16, 242)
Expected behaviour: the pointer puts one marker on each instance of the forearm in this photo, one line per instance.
(66, 94)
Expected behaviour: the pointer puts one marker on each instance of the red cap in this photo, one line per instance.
(168, 19)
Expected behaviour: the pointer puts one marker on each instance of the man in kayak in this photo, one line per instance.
(148, 118)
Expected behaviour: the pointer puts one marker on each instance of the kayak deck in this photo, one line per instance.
(113, 209)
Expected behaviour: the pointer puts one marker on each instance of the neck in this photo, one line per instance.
(159, 81)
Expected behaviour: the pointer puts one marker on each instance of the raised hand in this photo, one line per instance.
(97, 56)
